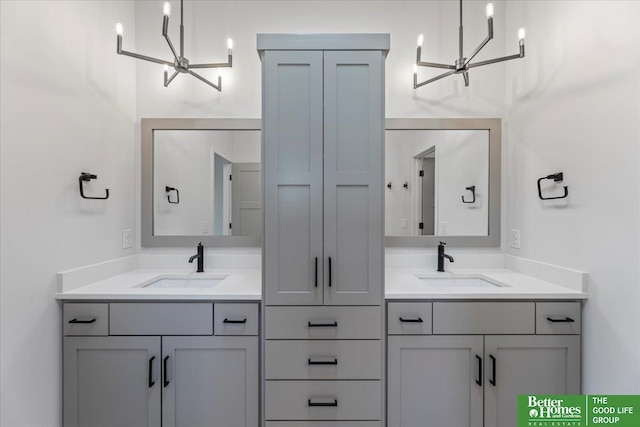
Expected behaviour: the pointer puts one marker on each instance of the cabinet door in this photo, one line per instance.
(210, 381)
(112, 381)
(353, 175)
(433, 381)
(292, 141)
(527, 365)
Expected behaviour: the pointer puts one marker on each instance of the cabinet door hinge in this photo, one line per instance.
(421, 173)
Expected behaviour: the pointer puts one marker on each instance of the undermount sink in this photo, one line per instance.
(457, 282)
(184, 282)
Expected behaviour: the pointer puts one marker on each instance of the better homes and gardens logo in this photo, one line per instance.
(578, 411)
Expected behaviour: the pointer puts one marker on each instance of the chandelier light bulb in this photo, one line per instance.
(167, 8)
(489, 10)
(415, 69)
(420, 40)
(119, 29)
(521, 34)
(230, 43)
(166, 68)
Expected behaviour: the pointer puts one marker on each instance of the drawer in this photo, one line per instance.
(323, 322)
(468, 318)
(558, 318)
(323, 360)
(235, 319)
(348, 400)
(323, 424)
(409, 318)
(85, 319)
(161, 319)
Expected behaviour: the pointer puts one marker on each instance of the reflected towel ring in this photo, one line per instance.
(168, 190)
(473, 192)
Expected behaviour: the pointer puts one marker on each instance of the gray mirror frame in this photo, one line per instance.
(494, 126)
(147, 128)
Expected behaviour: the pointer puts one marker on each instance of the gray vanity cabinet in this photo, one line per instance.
(323, 129)
(210, 381)
(435, 381)
(520, 364)
(463, 364)
(112, 381)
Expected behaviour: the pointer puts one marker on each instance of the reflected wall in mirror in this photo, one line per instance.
(442, 181)
(201, 181)
(206, 182)
(439, 182)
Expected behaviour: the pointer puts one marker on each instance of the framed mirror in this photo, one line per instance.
(201, 182)
(442, 182)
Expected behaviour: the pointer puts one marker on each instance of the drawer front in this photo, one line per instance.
(349, 400)
(161, 319)
(323, 322)
(85, 319)
(323, 424)
(409, 318)
(468, 318)
(323, 360)
(562, 318)
(235, 319)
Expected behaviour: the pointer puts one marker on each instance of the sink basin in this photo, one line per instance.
(183, 283)
(457, 282)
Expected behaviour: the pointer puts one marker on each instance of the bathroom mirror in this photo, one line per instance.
(201, 181)
(442, 182)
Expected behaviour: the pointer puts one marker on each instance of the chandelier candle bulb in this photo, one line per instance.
(489, 10)
(420, 40)
(119, 29)
(521, 34)
(166, 8)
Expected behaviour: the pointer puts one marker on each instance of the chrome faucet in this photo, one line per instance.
(200, 256)
(442, 256)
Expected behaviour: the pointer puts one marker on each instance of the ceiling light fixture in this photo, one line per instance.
(180, 64)
(463, 64)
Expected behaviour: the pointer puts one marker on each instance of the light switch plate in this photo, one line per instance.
(515, 239)
(443, 228)
(126, 238)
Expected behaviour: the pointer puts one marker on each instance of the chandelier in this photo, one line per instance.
(180, 63)
(462, 64)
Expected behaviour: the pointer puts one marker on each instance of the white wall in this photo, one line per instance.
(573, 106)
(68, 105)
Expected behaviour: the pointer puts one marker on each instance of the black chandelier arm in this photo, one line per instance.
(228, 64)
(483, 43)
(218, 87)
(165, 34)
(431, 64)
(426, 82)
(496, 60)
(145, 58)
(167, 79)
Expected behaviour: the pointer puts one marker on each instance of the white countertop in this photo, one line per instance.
(245, 284)
(402, 284)
(240, 285)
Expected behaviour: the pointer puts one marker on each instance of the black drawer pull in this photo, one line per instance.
(330, 272)
(323, 325)
(479, 379)
(83, 321)
(234, 321)
(151, 381)
(560, 320)
(323, 362)
(492, 381)
(418, 320)
(166, 371)
(325, 404)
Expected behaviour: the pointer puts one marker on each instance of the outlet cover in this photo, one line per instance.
(515, 239)
(126, 238)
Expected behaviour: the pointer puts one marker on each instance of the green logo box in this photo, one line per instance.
(578, 410)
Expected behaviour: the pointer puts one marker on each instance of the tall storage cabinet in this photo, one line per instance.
(323, 246)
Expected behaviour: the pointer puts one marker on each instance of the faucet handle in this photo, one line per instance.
(442, 243)
(200, 244)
